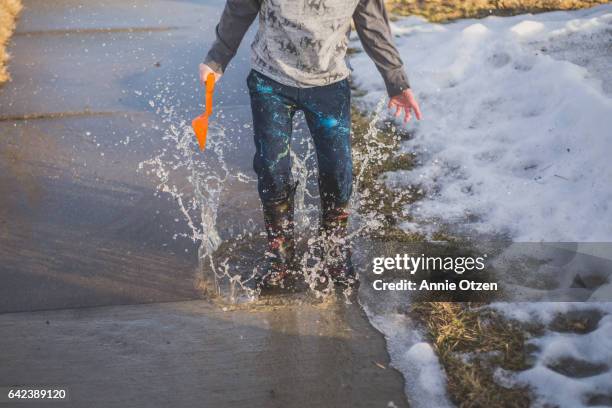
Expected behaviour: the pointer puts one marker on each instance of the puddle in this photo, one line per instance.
(231, 238)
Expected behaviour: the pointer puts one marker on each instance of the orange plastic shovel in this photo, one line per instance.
(200, 124)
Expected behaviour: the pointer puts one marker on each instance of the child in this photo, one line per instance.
(298, 63)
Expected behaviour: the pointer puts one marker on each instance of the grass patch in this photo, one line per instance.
(9, 10)
(448, 10)
(380, 152)
(471, 343)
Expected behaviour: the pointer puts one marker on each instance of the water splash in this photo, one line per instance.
(361, 223)
(196, 181)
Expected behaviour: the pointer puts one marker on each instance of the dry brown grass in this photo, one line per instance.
(446, 10)
(9, 10)
(471, 343)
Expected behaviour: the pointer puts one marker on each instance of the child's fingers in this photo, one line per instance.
(417, 111)
(205, 71)
(408, 115)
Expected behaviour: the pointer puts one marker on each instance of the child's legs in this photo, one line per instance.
(328, 114)
(273, 106)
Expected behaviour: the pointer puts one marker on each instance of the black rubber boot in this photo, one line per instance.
(279, 258)
(336, 246)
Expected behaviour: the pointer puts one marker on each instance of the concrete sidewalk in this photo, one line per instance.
(79, 225)
(84, 241)
(193, 354)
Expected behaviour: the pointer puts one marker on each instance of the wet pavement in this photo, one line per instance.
(80, 226)
(86, 237)
(189, 354)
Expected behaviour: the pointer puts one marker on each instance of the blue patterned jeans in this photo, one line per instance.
(327, 110)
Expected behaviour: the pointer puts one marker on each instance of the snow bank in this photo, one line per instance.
(517, 134)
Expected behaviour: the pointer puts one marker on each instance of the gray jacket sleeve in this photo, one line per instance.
(237, 17)
(372, 25)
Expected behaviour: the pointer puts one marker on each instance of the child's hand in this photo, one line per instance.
(408, 103)
(204, 71)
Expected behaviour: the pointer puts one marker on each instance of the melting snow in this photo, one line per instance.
(516, 141)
